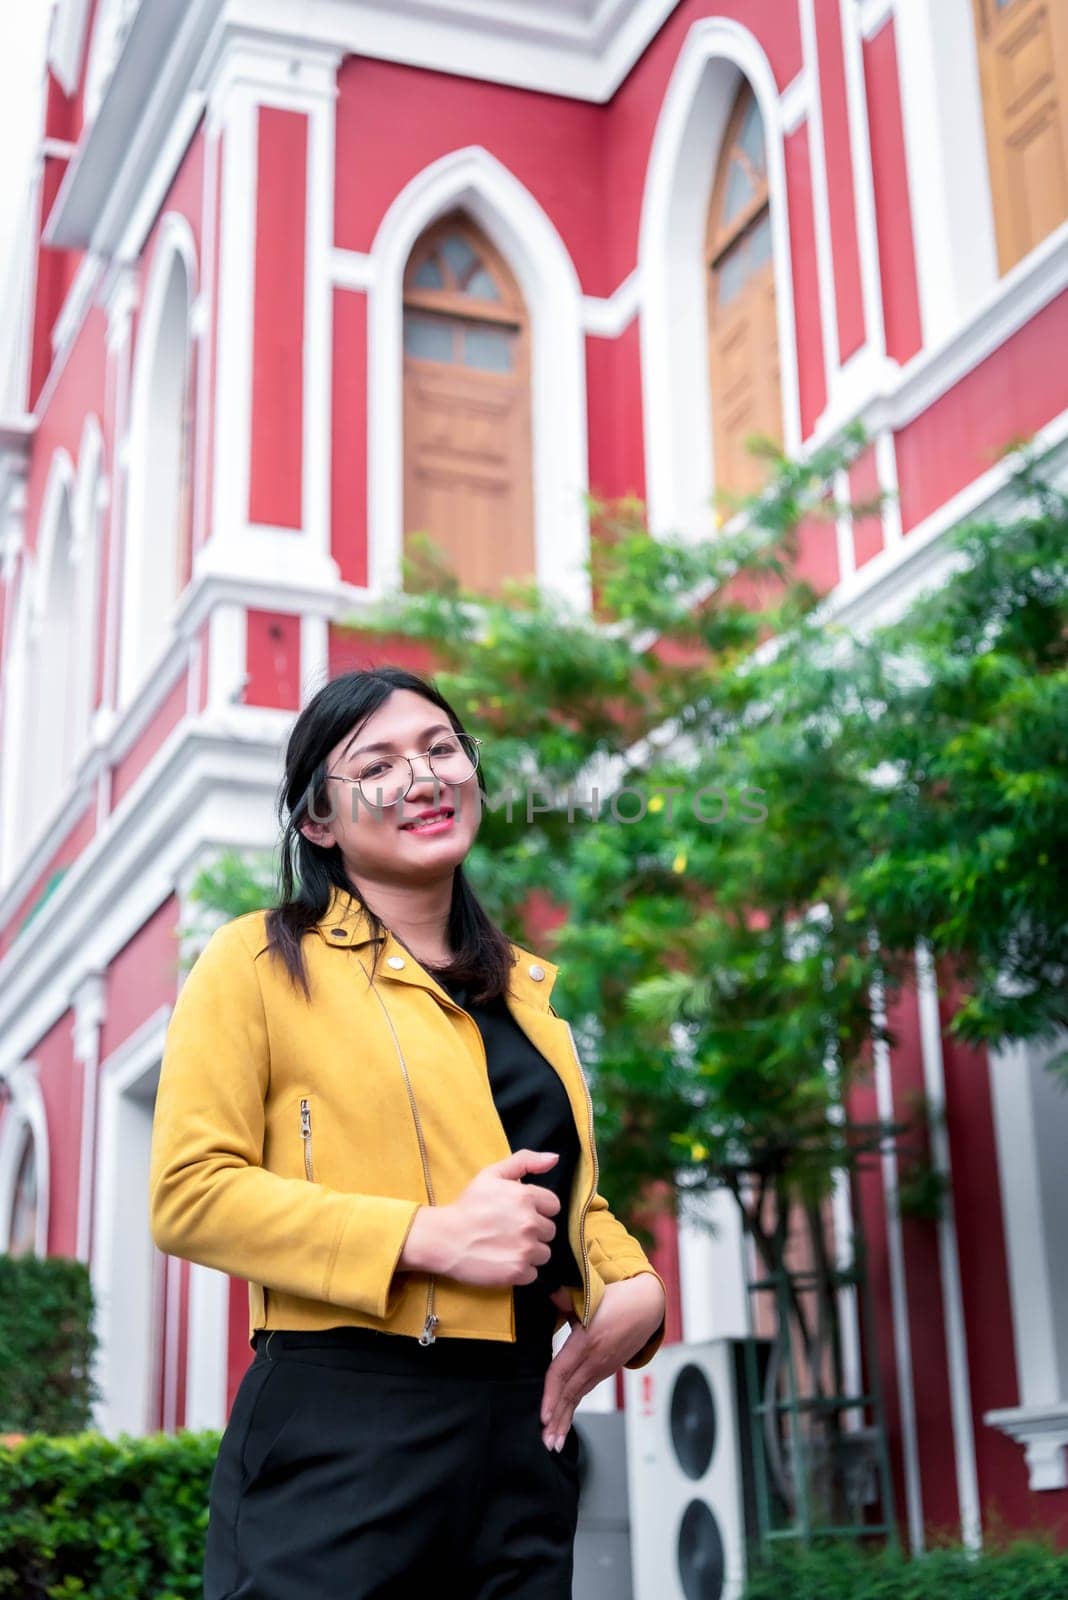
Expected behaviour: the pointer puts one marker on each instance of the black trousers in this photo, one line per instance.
(357, 1465)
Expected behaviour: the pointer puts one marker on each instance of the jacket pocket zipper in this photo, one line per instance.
(306, 1135)
(428, 1335)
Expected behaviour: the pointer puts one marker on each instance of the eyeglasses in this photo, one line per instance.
(451, 759)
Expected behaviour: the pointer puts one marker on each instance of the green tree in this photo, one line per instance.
(748, 817)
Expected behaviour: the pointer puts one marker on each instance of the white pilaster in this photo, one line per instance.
(89, 1011)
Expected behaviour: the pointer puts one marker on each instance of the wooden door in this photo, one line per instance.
(1023, 69)
(742, 321)
(467, 426)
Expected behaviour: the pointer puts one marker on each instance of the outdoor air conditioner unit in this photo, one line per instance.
(690, 1482)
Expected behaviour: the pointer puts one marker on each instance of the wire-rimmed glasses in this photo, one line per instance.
(386, 780)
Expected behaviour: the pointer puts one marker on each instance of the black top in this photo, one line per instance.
(533, 1106)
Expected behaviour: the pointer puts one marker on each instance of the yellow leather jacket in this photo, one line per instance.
(294, 1140)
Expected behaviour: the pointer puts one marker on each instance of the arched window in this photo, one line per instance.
(24, 1164)
(467, 428)
(55, 727)
(1023, 71)
(22, 1232)
(158, 516)
(742, 325)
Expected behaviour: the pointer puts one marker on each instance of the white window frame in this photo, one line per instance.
(676, 391)
(473, 181)
(175, 250)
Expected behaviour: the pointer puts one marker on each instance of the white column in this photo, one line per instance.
(89, 1010)
(945, 152)
(120, 304)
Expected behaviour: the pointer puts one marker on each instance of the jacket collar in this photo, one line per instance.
(346, 924)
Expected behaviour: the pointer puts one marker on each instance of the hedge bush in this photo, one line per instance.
(1024, 1570)
(47, 1345)
(102, 1519)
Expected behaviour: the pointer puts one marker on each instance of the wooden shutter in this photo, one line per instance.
(467, 427)
(1023, 69)
(742, 321)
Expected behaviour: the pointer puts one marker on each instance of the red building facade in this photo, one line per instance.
(301, 279)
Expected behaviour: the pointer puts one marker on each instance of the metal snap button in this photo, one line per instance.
(536, 972)
(338, 933)
(395, 961)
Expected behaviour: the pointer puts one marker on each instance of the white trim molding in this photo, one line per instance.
(872, 15)
(946, 160)
(1043, 1432)
(474, 181)
(607, 318)
(123, 1255)
(66, 45)
(89, 1012)
(676, 401)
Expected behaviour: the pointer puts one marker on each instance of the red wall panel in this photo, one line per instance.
(275, 486)
(926, 1309)
(1003, 1479)
(614, 407)
(840, 196)
(893, 209)
(164, 721)
(864, 488)
(348, 477)
(273, 660)
(142, 977)
(1015, 391)
(77, 839)
(812, 376)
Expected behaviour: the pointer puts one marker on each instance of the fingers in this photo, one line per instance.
(566, 1381)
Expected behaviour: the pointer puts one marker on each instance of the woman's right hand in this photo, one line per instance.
(497, 1232)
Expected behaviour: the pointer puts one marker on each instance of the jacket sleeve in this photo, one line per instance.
(210, 1198)
(615, 1254)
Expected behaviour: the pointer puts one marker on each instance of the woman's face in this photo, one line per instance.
(378, 840)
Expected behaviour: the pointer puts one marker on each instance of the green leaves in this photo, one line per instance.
(104, 1519)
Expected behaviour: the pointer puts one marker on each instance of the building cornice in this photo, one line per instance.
(579, 48)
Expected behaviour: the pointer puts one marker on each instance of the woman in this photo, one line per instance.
(369, 1109)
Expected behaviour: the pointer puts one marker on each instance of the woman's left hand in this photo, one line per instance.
(629, 1313)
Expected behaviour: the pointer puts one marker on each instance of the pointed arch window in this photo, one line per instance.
(158, 544)
(742, 319)
(56, 723)
(23, 1229)
(467, 415)
(1023, 71)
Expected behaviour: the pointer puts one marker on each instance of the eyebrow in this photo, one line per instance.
(438, 727)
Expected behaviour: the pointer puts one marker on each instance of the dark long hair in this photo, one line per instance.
(308, 873)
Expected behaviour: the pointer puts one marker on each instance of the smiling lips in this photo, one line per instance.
(431, 822)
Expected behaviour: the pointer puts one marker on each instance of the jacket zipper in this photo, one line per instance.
(305, 1133)
(428, 1335)
(593, 1190)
